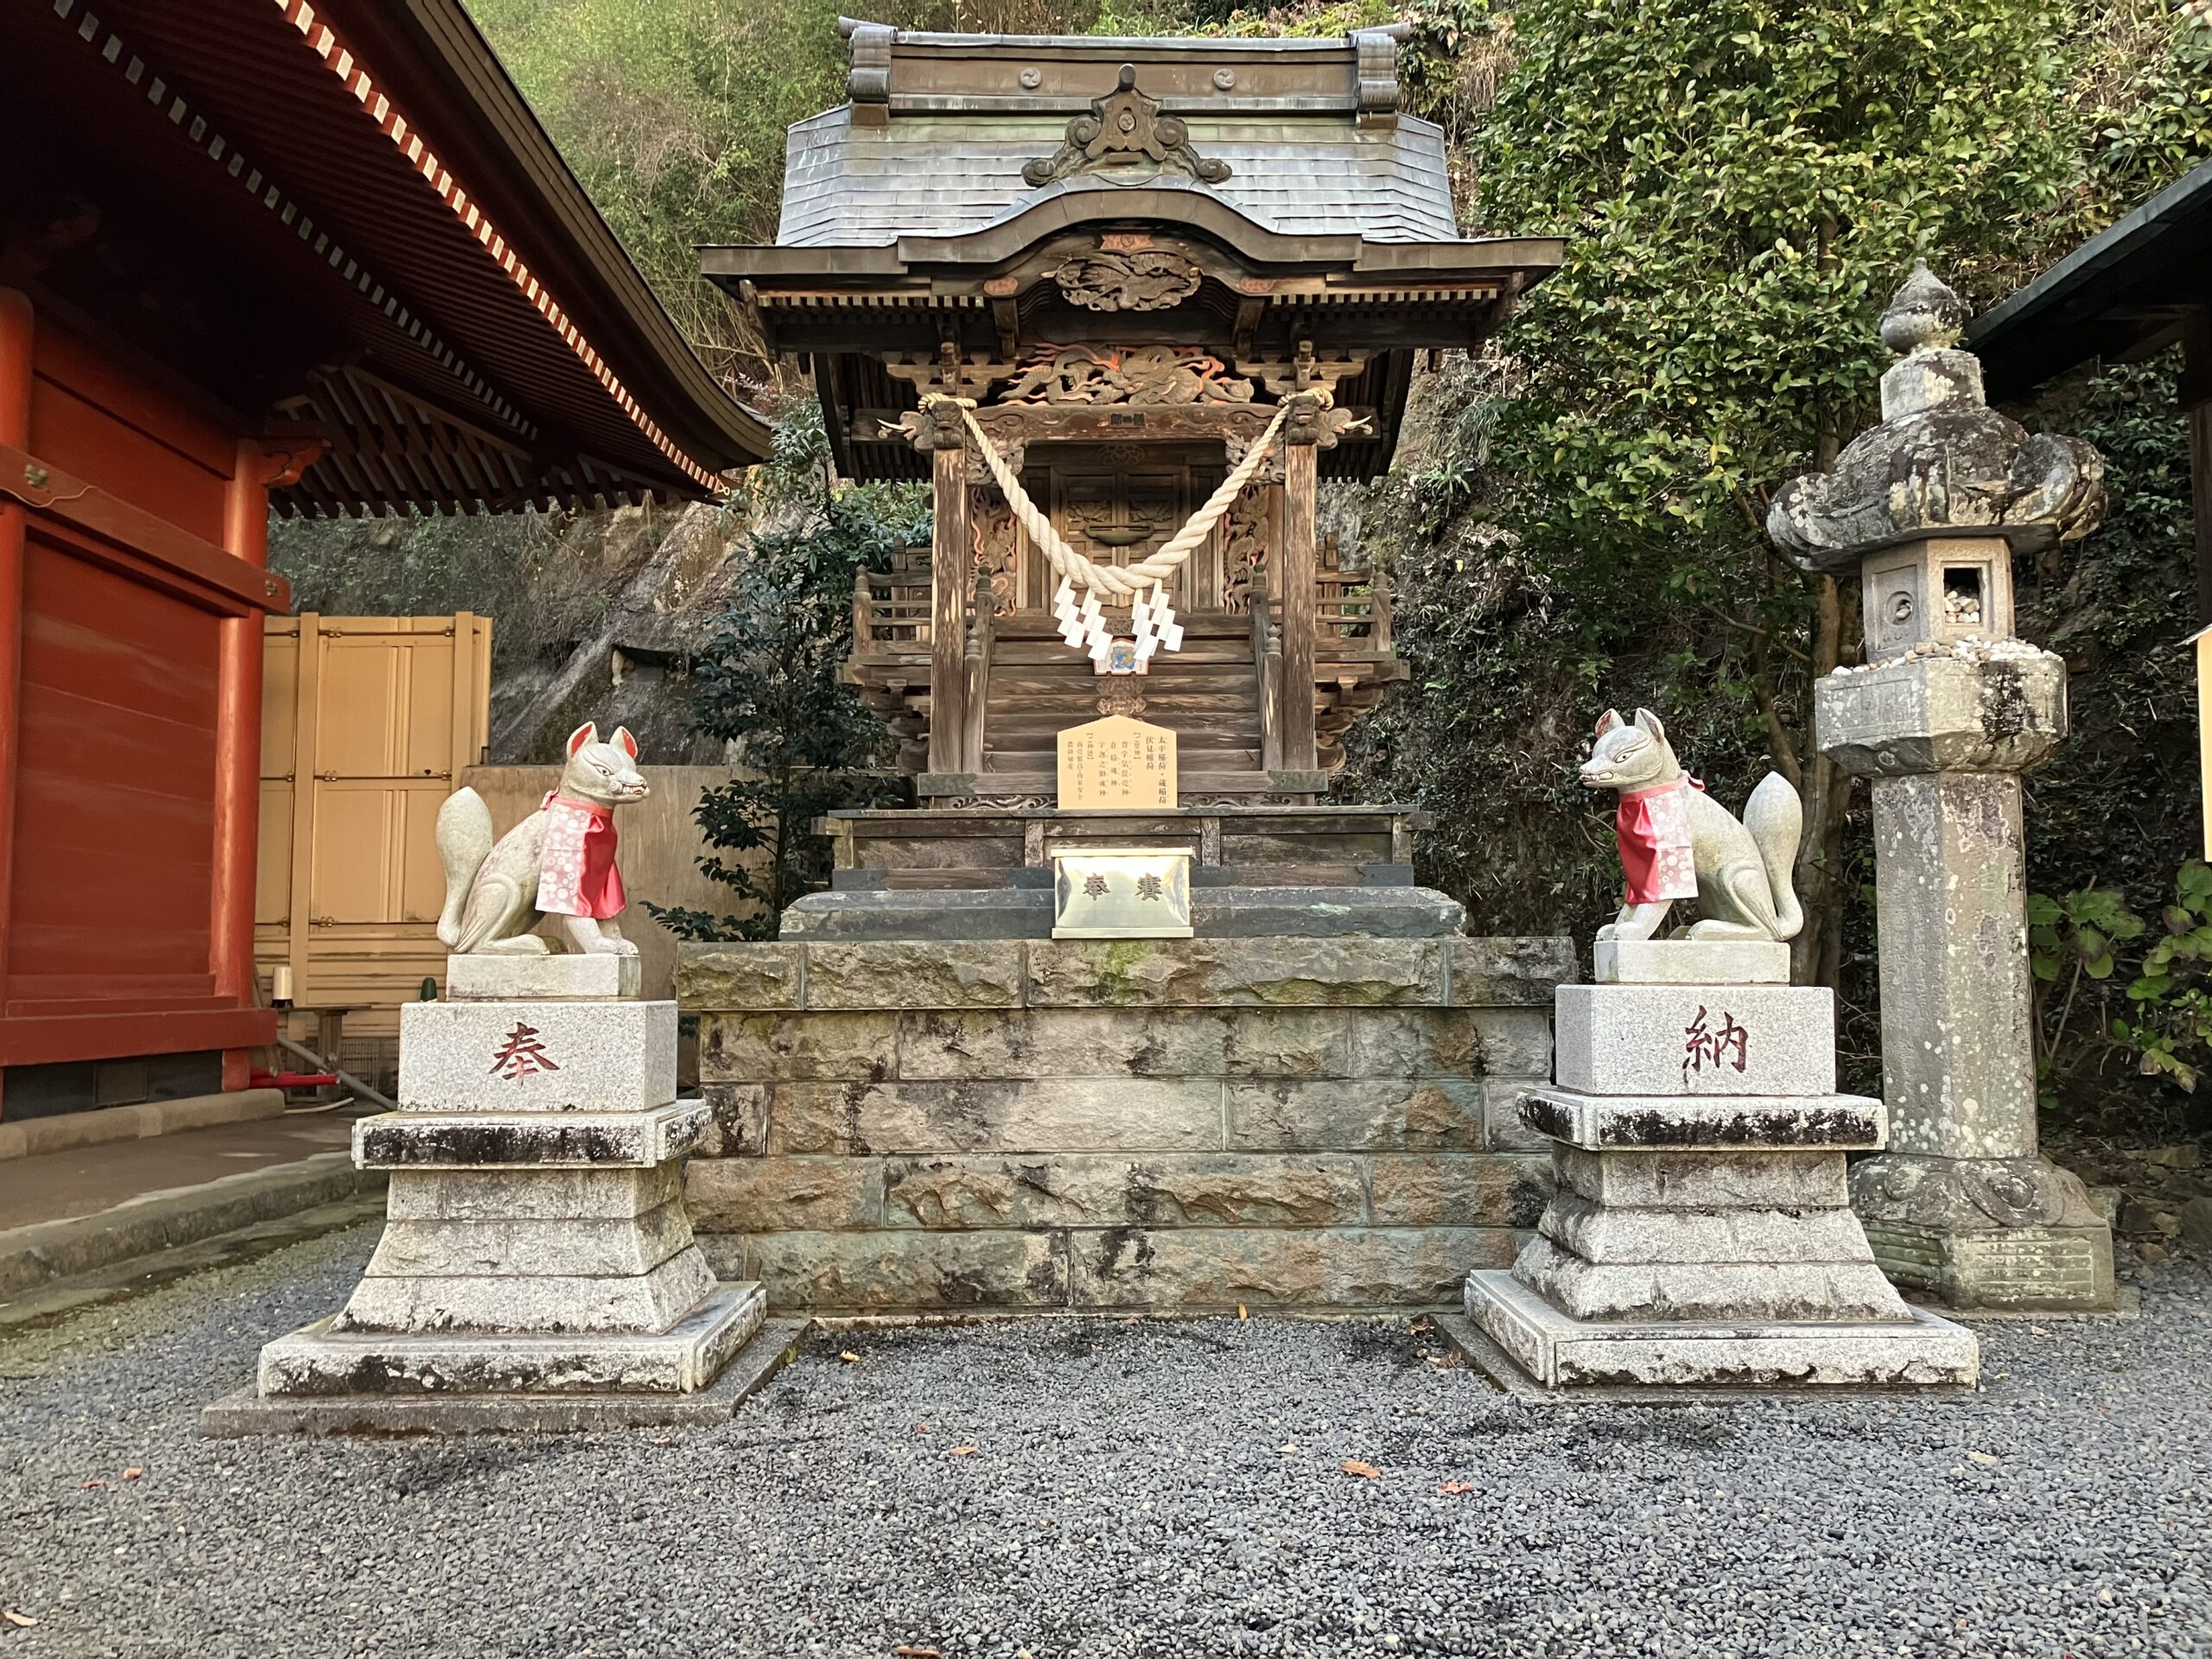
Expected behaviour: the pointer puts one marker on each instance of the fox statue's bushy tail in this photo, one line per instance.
(1776, 818)
(464, 842)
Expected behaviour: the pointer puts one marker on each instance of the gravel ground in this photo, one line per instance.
(1076, 1490)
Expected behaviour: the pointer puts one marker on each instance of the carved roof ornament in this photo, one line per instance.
(1125, 140)
(1142, 279)
(1942, 461)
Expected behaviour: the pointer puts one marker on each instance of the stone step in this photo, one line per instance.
(1559, 1352)
(480, 1139)
(326, 1361)
(642, 1304)
(1671, 1123)
(1833, 1292)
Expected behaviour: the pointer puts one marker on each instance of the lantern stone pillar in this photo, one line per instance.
(1949, 711)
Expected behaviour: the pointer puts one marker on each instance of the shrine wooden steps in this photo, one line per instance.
(1207, 693)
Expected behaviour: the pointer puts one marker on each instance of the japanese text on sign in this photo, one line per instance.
(1117, 762)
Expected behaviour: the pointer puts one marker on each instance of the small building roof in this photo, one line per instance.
(945, 149)
(937, 212)
(2122, 295)
(375, 243)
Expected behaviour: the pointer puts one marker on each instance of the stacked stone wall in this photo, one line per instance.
(1312, 1123)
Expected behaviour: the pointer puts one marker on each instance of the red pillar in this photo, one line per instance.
(238, 756)
(15, 429)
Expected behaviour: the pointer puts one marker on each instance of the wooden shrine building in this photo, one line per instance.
(1165, 1029)
(255, 254)
(1118, 273)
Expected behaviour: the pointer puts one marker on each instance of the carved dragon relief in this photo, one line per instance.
(1124, 140)
(1143, 374)
(997, 546)
(1244, 549)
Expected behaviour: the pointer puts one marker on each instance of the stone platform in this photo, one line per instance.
(536, 1245)
(1700, 1233)
(249, 1412)
(1561, 1352)
(926, 1125)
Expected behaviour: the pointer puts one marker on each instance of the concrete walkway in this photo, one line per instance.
(91, 1208)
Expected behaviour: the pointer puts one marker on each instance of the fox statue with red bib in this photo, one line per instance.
(1676, 842)
(557, 861)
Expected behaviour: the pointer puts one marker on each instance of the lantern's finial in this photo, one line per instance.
(1924, 316)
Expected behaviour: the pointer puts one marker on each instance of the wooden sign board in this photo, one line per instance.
(1117, 762)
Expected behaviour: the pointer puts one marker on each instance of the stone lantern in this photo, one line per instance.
(1950, 710)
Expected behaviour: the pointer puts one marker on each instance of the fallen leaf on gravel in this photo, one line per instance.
(1240, 1310)
(905, 1652)
(1457, 1488)
(1364, 1471)
(1420, 1327)
(22, 1621)
(89, 1484)
(849, 1357)
(1983, 1458)
(1288, 1447)
(921, 1428)
(664, 1440)
(963, 1451)
(133, 1473)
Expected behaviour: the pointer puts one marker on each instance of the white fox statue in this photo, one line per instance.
(1676, 842)
(559, 860)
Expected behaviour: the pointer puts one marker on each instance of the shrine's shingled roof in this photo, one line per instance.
(940, 126)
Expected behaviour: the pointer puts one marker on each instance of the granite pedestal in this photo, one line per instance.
(1699, 1232)
(536, 1245)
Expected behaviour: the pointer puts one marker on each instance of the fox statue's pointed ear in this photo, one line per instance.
(1608, 720)
(586, 733)
(1649, 723)
(626, 742)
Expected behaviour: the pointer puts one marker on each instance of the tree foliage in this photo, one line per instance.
(770, 684)
(673, 114)
(1742, 184)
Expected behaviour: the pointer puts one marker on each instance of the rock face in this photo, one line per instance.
(1284, 1122)
(1963, 1206)
(536, 1241)
(1700, 1231)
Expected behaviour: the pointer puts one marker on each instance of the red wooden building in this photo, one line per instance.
(254, 254)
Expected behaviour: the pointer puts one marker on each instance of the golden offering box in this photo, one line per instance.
(1121, 892)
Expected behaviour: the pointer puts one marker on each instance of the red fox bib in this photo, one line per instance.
(1652, 830)
(576, 872)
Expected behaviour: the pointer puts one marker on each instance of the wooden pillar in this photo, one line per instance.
(1300, 567)
(307, 697)
(238, 756)
(2200, 482)
(949, 580)
(2195, 392)
(15, 518)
